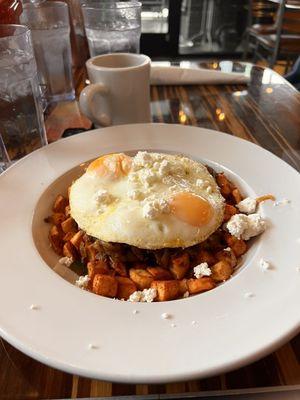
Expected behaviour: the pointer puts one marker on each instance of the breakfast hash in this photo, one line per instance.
(153, 227)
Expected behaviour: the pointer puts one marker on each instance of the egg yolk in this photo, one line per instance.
(111, 165)
(191, 209)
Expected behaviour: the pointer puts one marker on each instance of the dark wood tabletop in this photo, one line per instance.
(266, 112)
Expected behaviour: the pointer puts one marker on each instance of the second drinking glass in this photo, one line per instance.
(50, 29)
(112, 27)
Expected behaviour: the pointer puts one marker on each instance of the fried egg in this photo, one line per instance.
(150, 201)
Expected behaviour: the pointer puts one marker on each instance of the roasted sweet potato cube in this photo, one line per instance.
(238, 246)
(200, 285)
(77, 239)
(67, 211)
(68, 236)
(205, 256)
(180, 265)
(119, 267)
(98, 267)
(224, 184)
(55, 238)
(160, 273)
(141, 278)
(183, 287)
(167, 290)
(60, 204)
(105, 285)
(125, 287)
(57, 218)
(70, 251)
(69, 225)
(236, 195)
(221, 271)
(227, 256)
(229, 211)
(91, 251)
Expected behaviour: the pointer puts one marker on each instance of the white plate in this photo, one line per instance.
(230, 330)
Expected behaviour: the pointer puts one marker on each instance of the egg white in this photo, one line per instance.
(122, 219)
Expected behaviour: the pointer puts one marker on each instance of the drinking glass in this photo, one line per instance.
(4, 159)
(50, 28)
(21, 117)
(112, 27)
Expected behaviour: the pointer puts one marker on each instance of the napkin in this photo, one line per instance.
(171, 75)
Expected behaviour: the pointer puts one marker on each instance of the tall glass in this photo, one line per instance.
(21, 117)
(50, 28)
(4, 159)
(112, 27)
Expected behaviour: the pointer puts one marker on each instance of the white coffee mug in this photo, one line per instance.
(119, 89)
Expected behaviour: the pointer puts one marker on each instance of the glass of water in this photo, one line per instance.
(4, 159)
(50, 29)
(21, 117)
(112, 27)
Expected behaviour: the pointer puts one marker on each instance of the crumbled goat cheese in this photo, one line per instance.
(186, 294)
(83, 281)
(227, 249)
(153, 208)
(282, 202)
(248, 205)
(145, 296)
(103, 197)
(147, 177)
(246, 226)
(93, 346)
(141, 159)
(165, 316)
(248, 295)
(202, 270)
(164, 168)
(135, 194)
(67, 261)
(264, 265)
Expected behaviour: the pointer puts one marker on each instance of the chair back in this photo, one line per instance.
(291, 18)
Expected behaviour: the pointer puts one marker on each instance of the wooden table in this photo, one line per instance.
(266, 112)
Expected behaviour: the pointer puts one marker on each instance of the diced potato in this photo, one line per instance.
(229, 211)
(205, 256)
(70, 251)
(69, 225)
(77, 239)
(238, 246)
(68, 236)
(57, 218)
(60, 204)
(200, 285)
(183, 287)
(55, 238)
(224, 184)
(119, 267)
(180, 265)
(67, 211)
(141, 278)
(236, 195)
(160, 273)
(91, 251)
(166, 290)
(125, 287)
(98, 267)
(221, 271)
(105, 285)
(227, 256)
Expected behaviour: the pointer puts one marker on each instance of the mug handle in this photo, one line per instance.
(86, 100)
